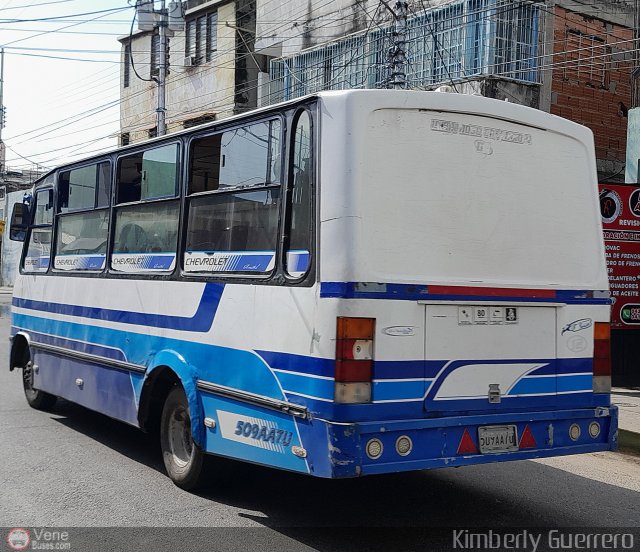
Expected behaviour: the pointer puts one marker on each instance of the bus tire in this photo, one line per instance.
(183, 459)
(37, 399)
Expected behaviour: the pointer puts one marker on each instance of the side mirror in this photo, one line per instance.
(19, 221)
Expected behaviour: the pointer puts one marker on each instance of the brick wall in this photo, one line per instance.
(591, 80)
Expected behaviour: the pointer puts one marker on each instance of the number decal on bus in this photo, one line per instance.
(263, 433)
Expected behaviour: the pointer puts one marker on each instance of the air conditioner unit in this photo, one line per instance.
(189, 61)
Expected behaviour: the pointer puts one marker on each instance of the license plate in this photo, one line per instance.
(495, 439)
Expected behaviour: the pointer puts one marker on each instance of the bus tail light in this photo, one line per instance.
(602, 357)
(354, 359)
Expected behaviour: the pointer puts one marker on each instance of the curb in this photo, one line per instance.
(628, 441)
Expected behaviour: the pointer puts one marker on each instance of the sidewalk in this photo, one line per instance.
(628, 402)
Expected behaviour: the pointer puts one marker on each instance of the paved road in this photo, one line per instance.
(73, 467)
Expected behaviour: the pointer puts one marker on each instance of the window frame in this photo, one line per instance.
(74, 212)
(281, 118)
(82, 165)
(278, 277)
(178, 196)
(142, 150)
(126, 74)
(45, 187)
(198, 45)
(288, 199)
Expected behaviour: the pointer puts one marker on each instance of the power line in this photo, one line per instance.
(83, 21)
(556, 63)
(40, 4)
(62, 17)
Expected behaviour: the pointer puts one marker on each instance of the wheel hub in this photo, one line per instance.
(180, 442)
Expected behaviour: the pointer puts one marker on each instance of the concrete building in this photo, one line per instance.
(212, 72)
(567, 57)
(591, 79)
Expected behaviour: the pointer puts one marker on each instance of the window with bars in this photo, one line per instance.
(462, 39)
(585, 59)
(126, 75)
(201, 40)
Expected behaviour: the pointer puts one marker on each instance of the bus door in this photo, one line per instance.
(489, 357)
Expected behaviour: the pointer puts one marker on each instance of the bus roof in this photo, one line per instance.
(383, 98)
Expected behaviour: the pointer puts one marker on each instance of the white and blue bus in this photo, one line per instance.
(351, 283)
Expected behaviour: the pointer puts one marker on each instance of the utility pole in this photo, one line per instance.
(398, 53)
(2, 111)
(165, 22)
(162, 71)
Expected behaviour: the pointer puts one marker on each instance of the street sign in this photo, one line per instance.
(620, 209)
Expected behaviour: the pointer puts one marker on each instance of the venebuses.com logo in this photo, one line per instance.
(20, 538)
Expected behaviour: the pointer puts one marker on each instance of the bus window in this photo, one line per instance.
(234, 228)
(297, 256)
(204, 172)
(84, 188)
(83, 219)
(44, 208)
(81, 242)
(39, 247)
(146, 237)
(149, 174)
(242, 157)
(146, 234)
(103, 195)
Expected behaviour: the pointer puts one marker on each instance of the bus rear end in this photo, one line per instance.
(463, 285)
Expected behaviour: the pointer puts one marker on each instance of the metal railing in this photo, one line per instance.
(457, 41)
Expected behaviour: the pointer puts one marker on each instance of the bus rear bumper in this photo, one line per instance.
(387, 447)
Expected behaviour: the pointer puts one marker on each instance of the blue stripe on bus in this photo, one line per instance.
(299, 363)
(200, 322)
(235, 368)
(396, 369)
(245, 370)
(563, 384)
(553, 366)
(531, 386)
(385, 369)
(522, 402)
(301, 384)
(75, 345)
(382, 369)
(411, 292)
(575, 383)
(398, 390)
(565, 366)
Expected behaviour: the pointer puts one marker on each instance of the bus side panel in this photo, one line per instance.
(254, 434)
(102, 389)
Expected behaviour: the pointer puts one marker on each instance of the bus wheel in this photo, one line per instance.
(183, 459)
(37, 399)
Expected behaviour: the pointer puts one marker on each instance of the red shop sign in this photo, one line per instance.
(620, 209)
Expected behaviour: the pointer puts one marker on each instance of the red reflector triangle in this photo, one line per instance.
(527, 440)
(467, 446)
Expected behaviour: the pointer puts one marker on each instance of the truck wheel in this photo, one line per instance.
(183, 459)
(37, 399)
